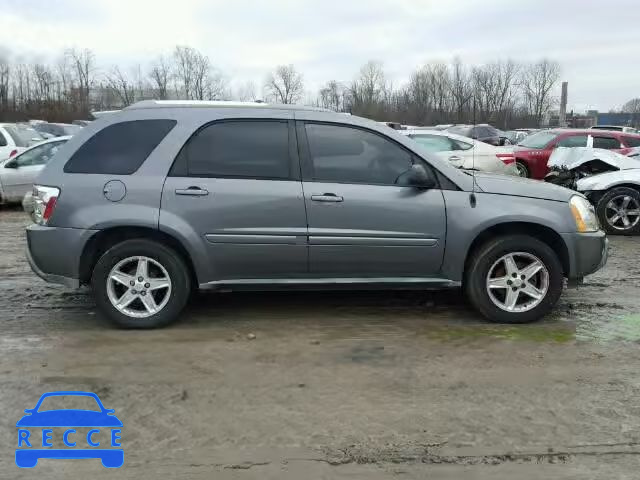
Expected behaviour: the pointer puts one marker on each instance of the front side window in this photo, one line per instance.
(343, 154)
(538, 140)
(239, 149)
(608, 143)
(119, 149)
(573, 141)
(433, 143)
(3, 141)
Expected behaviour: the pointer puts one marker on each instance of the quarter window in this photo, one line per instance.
(119, 149)
(238, 149)
(632, 141)
(351, 155)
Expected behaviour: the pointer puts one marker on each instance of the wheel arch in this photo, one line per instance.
(105, 239)
(536, 230)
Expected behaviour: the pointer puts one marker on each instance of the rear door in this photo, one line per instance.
(237, 184)
(363, 223)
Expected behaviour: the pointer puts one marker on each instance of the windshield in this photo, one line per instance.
(24, 136)
(538, 140)
(69, 402)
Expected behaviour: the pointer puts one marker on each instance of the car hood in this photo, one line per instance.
(521, 187)
(571, 158)
(69, 418)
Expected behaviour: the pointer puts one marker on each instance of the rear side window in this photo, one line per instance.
(237, 149)
(632, 141)
(608, 143)
(119, 149)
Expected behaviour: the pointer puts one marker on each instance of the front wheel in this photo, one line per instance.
(141, 284)
(523, 170)
(619, 211)
(514, 279)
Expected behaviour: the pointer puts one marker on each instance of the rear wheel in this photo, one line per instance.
(523, 170)
(141, 284)
(619, 211)
(514, 279)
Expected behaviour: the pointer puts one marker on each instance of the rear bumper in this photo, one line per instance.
(54, 253)
(588, 253)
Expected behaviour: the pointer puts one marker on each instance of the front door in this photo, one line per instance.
(237, 185)
(362, 221)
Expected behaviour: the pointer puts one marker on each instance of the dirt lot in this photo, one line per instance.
(356, 385)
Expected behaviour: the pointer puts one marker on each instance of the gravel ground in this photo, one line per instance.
(328, 385)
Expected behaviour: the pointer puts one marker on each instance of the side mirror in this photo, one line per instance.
(11, 164)
(418, 176)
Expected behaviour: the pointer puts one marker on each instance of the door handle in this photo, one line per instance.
(327, 197)
(454, 158)
(192, 191)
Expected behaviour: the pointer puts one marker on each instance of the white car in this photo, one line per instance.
(464, 152)
(16, 138)
(18, 173)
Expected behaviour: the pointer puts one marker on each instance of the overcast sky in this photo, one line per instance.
(596, 43)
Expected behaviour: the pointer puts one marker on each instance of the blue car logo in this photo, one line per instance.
(35, 430)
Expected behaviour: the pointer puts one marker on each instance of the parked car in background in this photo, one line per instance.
(14, 138)
(57, 129)
(464, 152)
(616, 128)
(532, 153)
(167, 197)
(82, 123)
(17, 174)
(483, 132)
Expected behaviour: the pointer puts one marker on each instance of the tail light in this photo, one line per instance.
(507, 158)
(44, 203)
(13, 153)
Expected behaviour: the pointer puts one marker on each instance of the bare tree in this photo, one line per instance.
(369, 90)
(332, 96)
(537, 81)
(121, 85)
(285, 84)
(5, 72)
(461, 91)
(632, 106)
(246, 92)
(160, 75)
(83, 63)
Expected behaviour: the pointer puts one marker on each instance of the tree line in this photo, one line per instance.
(505, 93)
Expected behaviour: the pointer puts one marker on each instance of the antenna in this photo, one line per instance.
(472, 195)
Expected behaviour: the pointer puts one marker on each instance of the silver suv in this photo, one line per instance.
(163, 197)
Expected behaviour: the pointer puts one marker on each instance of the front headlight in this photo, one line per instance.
(584, 214)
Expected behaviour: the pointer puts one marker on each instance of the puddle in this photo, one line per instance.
(624, 328)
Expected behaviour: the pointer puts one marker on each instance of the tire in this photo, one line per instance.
(174, 297)
(523, 170)
(486, 260)
(602, 211)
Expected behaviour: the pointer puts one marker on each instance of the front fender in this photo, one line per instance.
(466, 223)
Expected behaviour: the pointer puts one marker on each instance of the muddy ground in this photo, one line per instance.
(335, 385)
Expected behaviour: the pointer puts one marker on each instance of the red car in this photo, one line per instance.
(533, 152)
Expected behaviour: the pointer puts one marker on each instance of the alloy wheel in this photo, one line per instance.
(622, 212)
(138, 286)
(517, 282)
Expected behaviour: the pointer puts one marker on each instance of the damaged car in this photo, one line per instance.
(611, 182)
